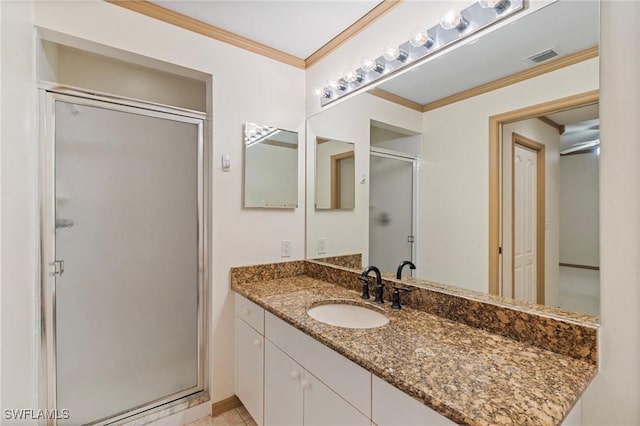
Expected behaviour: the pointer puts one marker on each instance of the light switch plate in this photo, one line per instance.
(285, 248)
(322, 245)
(226, 162)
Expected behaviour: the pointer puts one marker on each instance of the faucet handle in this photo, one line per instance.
(365, 287)
(395, 297)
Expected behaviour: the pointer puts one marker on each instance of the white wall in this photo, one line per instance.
(456, 157)
(18, 207)
(612, 398)
(579, 209)
(347, 231)
(548, 136)
(237, 94)
(394, 141)
(77, 68)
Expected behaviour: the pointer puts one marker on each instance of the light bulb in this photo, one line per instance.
(323, 92)
(250, 129)
(391, 53)
(493, 4)
(352, 77)
(336, 85)
(421, 38)
(453, 19)
(369, 65)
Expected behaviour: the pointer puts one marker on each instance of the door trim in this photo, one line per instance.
(336, 178)
(495, 175)
(47, 395)
(539, 148)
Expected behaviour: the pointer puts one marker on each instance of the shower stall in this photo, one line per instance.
(123, 256)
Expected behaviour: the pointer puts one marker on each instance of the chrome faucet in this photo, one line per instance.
(364, 277)
(402, 265)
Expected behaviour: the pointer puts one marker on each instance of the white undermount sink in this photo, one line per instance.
(347, 316)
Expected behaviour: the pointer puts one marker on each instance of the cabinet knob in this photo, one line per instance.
(257, 342)
(246, 312)
(295, 375)
(306, 384)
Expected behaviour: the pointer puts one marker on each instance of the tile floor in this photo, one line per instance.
(580, 290)
(236, 417)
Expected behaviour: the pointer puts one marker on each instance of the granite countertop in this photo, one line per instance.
(469, 375)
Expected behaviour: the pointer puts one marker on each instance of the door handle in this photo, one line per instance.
(58, 268)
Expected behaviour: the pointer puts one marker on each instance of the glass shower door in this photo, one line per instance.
(391, 196)
(127, 245)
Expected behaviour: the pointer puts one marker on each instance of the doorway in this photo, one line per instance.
(122, 257)
(562, 138)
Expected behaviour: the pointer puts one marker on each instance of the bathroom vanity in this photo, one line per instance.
(419, 368)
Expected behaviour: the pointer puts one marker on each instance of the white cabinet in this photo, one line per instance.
(283, 388)
(392, 407)
(286, 378)
(250, 313)
(249, 370)
(324, 407)
(346, 378)
(293, 396)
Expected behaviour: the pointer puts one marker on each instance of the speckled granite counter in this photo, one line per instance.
(470, 375)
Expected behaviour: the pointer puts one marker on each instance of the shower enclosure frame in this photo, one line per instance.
(48, 94)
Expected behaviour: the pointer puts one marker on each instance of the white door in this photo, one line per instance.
(249, 369)
(525, 223)
(123, 194)
(391, 196)
(283, 388)
(324, 407)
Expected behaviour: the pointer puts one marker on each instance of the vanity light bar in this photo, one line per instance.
(254, 133)
(454, 26)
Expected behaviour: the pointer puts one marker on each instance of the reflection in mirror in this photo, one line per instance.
(464, 171)
(270, 167)
(335, 175)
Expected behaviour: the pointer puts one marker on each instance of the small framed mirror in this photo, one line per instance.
(270, 167)
(335, 175)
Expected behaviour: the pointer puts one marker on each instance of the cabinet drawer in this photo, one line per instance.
(251, 313)
(392, 407)
(346, 378)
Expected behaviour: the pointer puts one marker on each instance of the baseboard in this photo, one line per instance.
(225, 405)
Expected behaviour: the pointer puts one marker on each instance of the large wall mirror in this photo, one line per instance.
(493, 190)
(270, 167)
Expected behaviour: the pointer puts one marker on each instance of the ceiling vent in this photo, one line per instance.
(543, 56)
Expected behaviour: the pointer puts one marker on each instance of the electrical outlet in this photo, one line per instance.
(322, 245)
(285, 248)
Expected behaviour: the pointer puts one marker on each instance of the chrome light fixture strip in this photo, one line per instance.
(474, 18)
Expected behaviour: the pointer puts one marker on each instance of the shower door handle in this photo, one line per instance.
(58, 268)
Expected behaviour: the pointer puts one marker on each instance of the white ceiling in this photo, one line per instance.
(581, 125)
(293, 26)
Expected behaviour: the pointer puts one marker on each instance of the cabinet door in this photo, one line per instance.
(283, 390)
(249, 368)
(324, 407)
(392, 407)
